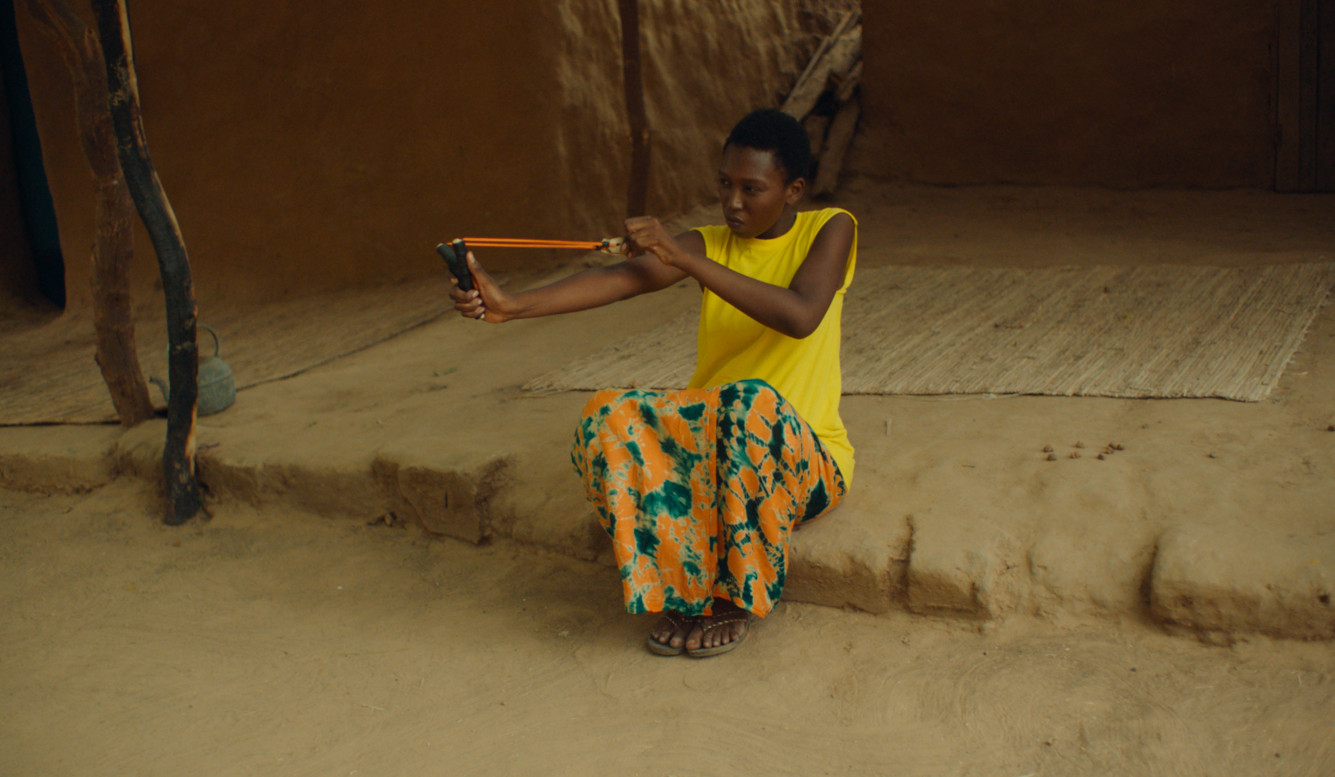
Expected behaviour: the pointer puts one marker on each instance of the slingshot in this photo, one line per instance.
(455, 252)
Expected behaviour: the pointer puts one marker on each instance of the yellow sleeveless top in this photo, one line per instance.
(732, 346)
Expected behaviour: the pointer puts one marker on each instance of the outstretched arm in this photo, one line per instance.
(795, 311)
(589, 288)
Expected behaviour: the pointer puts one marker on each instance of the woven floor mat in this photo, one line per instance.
(1112, 331)
(48, 374)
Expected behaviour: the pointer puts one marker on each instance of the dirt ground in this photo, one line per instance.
(276, 642)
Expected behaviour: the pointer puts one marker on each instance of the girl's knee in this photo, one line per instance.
(759, 386)
(750, 392)
(745, 398)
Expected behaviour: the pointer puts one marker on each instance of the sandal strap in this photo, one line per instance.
(725, 620)
(678, 619)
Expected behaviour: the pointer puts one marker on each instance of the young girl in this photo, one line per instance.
(700, 489)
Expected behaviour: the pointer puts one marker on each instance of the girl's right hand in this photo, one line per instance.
(485, 301)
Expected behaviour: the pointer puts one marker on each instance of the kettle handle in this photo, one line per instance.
(217, 344)
(163, 387)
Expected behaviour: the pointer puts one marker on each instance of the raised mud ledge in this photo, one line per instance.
(1199, 580)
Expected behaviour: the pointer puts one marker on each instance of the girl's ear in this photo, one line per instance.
(795, 191)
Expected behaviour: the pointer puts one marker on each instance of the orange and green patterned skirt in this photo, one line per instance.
(700, 489)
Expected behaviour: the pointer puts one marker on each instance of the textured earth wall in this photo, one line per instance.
(1155, 93)
(308, 147)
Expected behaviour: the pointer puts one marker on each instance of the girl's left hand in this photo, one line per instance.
(645, 235)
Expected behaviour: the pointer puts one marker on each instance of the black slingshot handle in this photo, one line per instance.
(456, 258)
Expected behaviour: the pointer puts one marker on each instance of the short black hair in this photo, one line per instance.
(778, 133)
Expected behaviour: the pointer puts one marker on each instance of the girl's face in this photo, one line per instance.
(753, 194)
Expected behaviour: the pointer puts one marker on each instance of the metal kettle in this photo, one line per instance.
(217, 386)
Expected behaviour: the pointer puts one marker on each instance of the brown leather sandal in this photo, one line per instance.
(679, 623)
(724, 620)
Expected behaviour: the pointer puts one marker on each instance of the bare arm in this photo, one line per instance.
(589, 288)
(795, 311)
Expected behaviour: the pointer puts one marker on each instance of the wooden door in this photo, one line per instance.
(1305, 96)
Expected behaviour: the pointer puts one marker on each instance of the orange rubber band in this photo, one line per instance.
(518, 242)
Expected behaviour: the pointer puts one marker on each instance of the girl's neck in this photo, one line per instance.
(780, 227)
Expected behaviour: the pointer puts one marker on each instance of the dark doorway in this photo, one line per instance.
(30, 259)
(1305, 92)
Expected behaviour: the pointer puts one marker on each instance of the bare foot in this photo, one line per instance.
(668, 636)
(718, 633)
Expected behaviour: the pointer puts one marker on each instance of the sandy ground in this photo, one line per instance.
(276, 642)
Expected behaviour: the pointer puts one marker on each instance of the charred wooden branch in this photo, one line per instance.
(178, 455)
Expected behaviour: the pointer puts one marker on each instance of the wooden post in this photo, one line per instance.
(637, 191)
(837, 141)
(836, 55)
(113, 245)
(1324, 150)
(178, 455)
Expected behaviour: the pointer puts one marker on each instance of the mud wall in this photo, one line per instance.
(1153, 93)
(308, 147)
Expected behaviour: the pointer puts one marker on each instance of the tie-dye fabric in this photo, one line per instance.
(700, 489)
